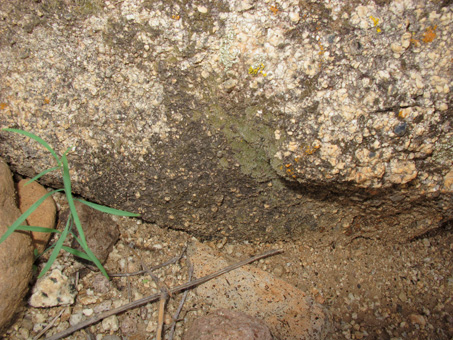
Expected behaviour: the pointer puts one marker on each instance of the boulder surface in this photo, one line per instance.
(240, 119)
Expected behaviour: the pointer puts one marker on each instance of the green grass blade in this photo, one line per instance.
(70, 199)
(38, 139)
(77, 253)
(56, 250)
(38, 176)
(38, 229)
(68, 150)
(24, 216)
(108, 210)
(45, 251)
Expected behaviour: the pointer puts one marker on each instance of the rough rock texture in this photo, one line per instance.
(238, 118)
(225, 324)
(286, 310)
(16, 253)
(44, 216)
(54, 289)
(101, 231)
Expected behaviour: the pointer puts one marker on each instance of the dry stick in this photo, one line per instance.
(51, 323)
(160, 323)
(181, 304)
(154, 297)
(171, 261)
(163, 296)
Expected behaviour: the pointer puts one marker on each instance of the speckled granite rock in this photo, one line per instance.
(16, 253)
(238, 118)
(288, 312)
(225, 324)
(44, 216)
(54, 289)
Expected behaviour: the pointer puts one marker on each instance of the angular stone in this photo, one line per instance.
(54, 289)
(101, 231)
(288, 312)
(43, 216)
(16, 252)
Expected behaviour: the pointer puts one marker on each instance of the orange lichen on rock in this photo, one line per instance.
(274, 9)
(430, 34)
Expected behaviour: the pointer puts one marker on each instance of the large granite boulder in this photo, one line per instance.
(238, 118)
(16, 253)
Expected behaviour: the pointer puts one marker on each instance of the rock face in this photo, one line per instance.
(286, 310)
(43, 216)
(238, 118)
(228, 325)
(16, 253)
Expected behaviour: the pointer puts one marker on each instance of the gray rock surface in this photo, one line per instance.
(225, 324)
(238, 118)
(16, 253)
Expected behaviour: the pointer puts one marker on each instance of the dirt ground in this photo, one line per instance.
(385, 284)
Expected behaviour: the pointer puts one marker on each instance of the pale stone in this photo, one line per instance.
(54, 289)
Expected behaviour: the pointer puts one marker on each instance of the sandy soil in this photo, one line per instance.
(387, 284)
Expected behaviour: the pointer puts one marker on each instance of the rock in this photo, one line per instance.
(228, 324)
(110, 324)
(288, 312)
(190, 123)
(43, 216)
(16, 252)
(54, 289)
(417, 319)
(101, 232)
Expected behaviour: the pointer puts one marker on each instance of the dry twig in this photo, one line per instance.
(181, 304)
(51, 323)
(155, 297)
(171, 261)
(160, 321)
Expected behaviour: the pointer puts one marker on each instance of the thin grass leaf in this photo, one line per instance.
(25, 215)
(68, 150)
(38, 176)
(45, 251)
(38, 229)
(56, 250)
(38, 139)
(72, 208)
(108, 210)
(77, 253)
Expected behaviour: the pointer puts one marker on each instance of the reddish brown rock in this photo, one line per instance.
(225, 324)
(288, 312)
(101, 232)
(43, 216)
(16, 252)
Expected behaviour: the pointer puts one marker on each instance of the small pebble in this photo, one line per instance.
(202, 9)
